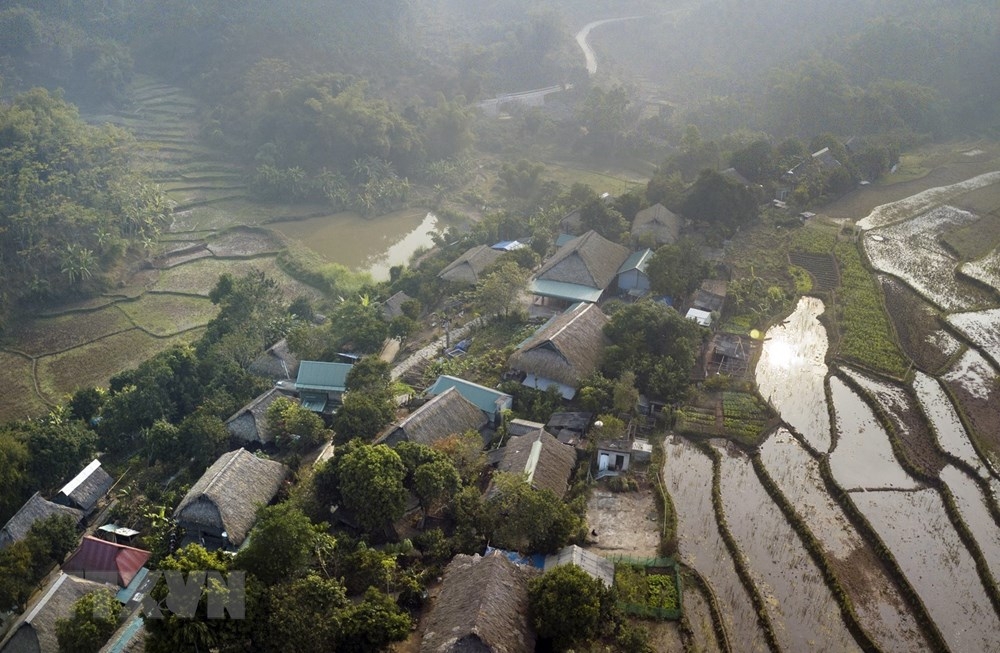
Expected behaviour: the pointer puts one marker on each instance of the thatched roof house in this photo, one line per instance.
(445, 414)
(482, 607)
(468, 268)
(221, 507)
(248, 426)
(596, 566)
(34, 509)
(277, 363)
(393, 307)
(106, 562)
(544, 462)
(658, 220)
(489, 400)
(580, 270)
(86, 488)
(36, 631)
(564, 350)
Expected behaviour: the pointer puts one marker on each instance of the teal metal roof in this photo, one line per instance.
(637, 261)
(561, 290)
(488, 400)
(325, 377)
(315, 404)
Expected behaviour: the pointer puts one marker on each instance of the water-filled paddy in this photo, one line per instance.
(948, 427)
(791, 370)
(976, 515)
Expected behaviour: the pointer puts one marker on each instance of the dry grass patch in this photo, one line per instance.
(18, 400)
(199, 277)
(165, 315)
(54, 334)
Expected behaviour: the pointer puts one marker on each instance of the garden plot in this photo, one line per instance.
(947, 425)
(975, 386)
(165, 315)
(803, 611)
(902, 209)
(880, 608)
(911, 429)
(48, 335)
(791, 370)
(915, 528)
(985, 270)
(976, 515)
(982, 328)
(18, 399)
(688, 476)
(910, 250)
(863, 457)
(96, 362)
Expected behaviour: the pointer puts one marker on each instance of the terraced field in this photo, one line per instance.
(870, 520)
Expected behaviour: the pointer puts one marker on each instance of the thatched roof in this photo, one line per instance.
(545, 462)
(249, 424)
(444, 415)
(227, 495)
(489, 400)
(277, 363)
(106, 562)
(664, 224)
(36, 631)
(393, 307)
(588, 260)
(34, 509)
(567, 348)
(595, 565)
(86, 488)
(468, 267)
(483, 606)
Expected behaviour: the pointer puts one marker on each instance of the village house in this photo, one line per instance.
(580, 271)
(248, 426)
(221, 507)
(490, 401)
(106, 562)
(468, 268)
(632, 278)
(393, 307)
(321, 385)
(277, 363)
(543, 461)
(86, 489)
(482, 606)
(35, 631)
(564, 350)
(658, 222)
(34, 509)
(445, 414)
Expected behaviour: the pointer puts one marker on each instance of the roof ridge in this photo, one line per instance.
(569, 322)
(215, 477)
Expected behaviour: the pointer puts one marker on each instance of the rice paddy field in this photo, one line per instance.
(878, 494)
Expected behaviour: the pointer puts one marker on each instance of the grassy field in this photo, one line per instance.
(94, 363)
(53, 334)
(165, 315)
(199, 277)
(18, 398)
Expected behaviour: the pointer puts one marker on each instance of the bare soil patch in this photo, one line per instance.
(915, 322)
(627, 523)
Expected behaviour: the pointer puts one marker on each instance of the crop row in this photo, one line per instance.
(866, 334)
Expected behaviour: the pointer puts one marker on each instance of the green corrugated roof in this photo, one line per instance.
(561, 290)
(484, 398)
(637, 261)
(327, 377)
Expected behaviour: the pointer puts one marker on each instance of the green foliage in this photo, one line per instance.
(656, 343)
(93, 620)
(50, 539)
(522, 518)
(369, 482)
(17, 581)
(371, 625)
(358, 325)
(566, 606)
(866, 335)
(675, 270)
(604, 219)
(362, 416)
(636, 587)
(70, 202)
(435, 483)
(499, 291)
(755, 161)
(280, 544)
(294, 427)
(304, 615)
(465, 451)
(720, 203)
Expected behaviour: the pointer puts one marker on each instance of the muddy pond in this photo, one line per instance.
(366, 244)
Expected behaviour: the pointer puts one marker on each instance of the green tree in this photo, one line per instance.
(17, 580)
(719, 202)
(51, 538)
(203, 436)
(604, 219)
(465, 451)
(15, 479)
(362, 416)
(280, 544)
(626, 395)
(435, 483)
(94, 619)
(370, 484)
(755, 161)
(293, 426)
(304, 615)
(498, 292)
(675, 270)
(358, 325)
(520, 517)
(373, 624)
(566, 606)
(59, 448)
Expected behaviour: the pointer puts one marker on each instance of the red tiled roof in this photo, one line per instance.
(106, 562)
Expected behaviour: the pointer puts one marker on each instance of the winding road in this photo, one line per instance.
(584, 33)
